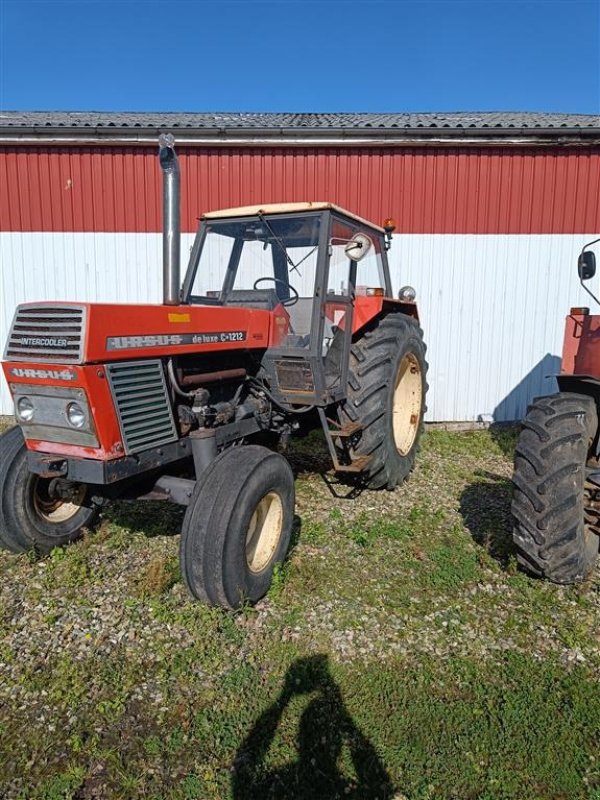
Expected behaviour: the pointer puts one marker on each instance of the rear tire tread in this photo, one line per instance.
(373, 361)
(550, 535)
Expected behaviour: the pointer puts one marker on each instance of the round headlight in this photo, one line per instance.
(25, 409)
(75, 415)
(407, 293)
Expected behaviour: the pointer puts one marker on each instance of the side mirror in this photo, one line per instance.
(586, 265)
(358, 246)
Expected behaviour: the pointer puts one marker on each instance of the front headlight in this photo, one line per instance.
(25, 409)
(59, 414)
(75, 415)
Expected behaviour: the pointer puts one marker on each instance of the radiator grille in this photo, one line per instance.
(46, 333)
(140, 394)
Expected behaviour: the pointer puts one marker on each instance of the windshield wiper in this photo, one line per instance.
(293, 267)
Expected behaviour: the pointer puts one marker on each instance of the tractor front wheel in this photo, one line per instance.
(38, 513)
(550, 533)
(386, 396)
(237, 526)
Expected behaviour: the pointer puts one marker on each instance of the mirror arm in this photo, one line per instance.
(589, 244)
(591, 294)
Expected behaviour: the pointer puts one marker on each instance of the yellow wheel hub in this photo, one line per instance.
(407, 403)
(53, 509)
(264, 532)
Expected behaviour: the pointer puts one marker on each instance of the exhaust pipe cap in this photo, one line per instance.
(166, 140)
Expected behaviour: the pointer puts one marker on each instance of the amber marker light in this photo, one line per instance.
(579, 311)
(389, 226)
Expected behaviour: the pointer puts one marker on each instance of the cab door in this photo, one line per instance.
(310, 367)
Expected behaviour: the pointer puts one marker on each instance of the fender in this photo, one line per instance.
(369, 308)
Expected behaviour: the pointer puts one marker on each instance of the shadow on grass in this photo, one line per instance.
(295, 536)
(310, 455)
(505, 435)
(158, 518)
(163, 519)
(485, 509)
(145, 516)
(325, 727)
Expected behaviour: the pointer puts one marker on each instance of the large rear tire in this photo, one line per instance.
(36, 513)
(387, 385)
(550, 534)
(237, 526)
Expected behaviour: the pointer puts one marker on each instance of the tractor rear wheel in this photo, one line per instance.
(38, 513)
(386, 396)
(550, 534)
(237, 526)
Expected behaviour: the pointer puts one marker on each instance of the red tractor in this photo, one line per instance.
(556, 499)
(285, 322)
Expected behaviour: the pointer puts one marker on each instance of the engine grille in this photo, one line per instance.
(140, 394)
(46, 333)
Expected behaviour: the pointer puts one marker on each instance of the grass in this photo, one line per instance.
(399, 653)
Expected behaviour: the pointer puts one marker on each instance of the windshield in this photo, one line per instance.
(277, 255)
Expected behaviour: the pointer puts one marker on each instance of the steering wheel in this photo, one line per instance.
(291, 300)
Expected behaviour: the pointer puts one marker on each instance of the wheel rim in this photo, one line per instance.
(264, 532)
(407, 401)
(54, 509)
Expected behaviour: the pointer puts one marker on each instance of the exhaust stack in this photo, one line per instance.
(171, 222)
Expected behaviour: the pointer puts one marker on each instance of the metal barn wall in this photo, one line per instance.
(427, 190)
(489, 237)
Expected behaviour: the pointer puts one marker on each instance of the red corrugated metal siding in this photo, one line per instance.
(427, 190)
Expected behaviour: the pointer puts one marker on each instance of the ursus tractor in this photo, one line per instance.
(285, 321)
(556, 498)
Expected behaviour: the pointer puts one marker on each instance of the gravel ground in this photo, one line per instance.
(425, 574)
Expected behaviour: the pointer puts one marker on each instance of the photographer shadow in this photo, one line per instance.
(324, 728)
(485, 509)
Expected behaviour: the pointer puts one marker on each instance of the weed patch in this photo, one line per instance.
(161, 573)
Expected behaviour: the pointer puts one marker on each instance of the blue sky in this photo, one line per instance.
(308, 55)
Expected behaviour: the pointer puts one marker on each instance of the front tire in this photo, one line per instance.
(33, 515)
(237, 526)
(550, 534)
(386, 394)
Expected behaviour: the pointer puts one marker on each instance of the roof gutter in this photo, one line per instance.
(123, 135)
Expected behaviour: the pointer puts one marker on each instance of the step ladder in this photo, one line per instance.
(342, 433)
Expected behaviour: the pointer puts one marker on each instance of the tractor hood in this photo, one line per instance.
(84, 333)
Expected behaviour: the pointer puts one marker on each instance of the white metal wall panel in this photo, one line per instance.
(493, 309)
(492, 306)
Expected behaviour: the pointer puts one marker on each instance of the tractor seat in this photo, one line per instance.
(253, 298)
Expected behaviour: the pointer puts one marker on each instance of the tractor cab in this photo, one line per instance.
(308, 263)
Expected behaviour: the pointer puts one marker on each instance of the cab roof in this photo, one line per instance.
(286, 208)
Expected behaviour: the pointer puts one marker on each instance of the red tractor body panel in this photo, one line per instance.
(119, 332)
(92, 380)
(581, 348)
(368, 308)
(116, 332)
